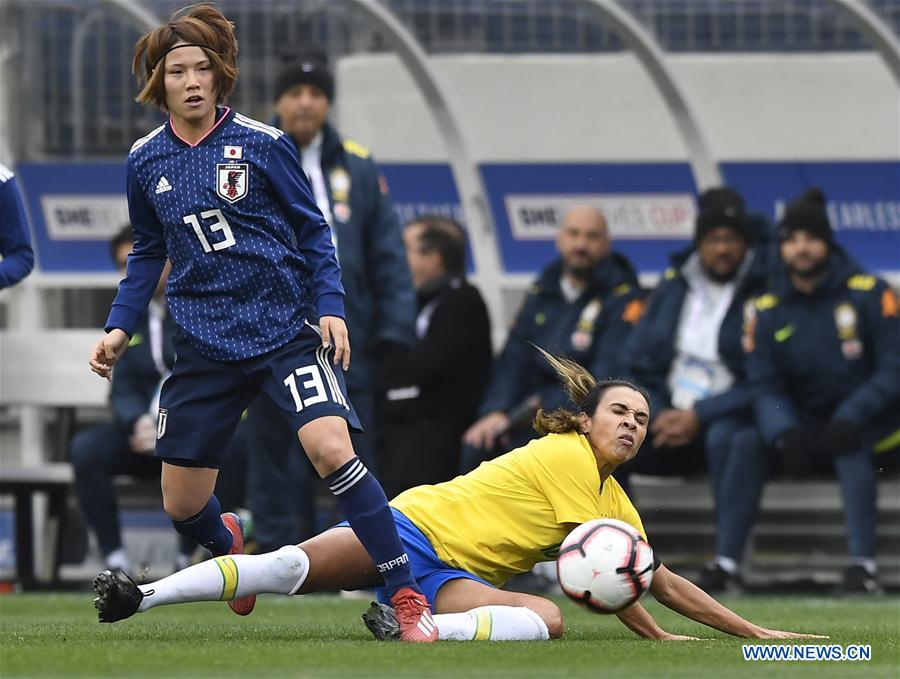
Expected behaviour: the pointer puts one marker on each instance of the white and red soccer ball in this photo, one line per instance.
(604, 565)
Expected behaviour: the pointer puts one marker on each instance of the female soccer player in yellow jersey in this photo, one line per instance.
(466, 537)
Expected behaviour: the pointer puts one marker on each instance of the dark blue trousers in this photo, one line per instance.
(741, 472)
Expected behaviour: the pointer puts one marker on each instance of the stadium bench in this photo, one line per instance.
(22, 483)
(49, 368)
(798, 539)
(43, 369)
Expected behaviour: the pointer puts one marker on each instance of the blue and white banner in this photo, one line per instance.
(76, 208)
(650, 206)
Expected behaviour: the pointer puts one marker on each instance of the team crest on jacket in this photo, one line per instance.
(845, 320)
(232, 180)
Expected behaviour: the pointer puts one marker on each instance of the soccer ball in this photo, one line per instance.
(604, 565)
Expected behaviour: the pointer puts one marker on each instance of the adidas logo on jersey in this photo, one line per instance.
(163, 185)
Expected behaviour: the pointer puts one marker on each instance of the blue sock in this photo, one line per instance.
(365, 506)
(207, 529)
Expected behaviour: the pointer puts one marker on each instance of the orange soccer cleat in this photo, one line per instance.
(242, 605)
(414, 616)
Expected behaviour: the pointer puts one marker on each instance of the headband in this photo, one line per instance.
(175, 47)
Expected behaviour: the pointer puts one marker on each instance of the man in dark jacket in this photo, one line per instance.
(380, 300)
(824, 366)
(430, 394)
(582, 306)
(686, 351)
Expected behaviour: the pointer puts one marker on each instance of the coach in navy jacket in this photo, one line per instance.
(565, 328)
(832, 354)
(651, 347)
(824, 365)
(379, 299)
(582, 306)
(686, 350)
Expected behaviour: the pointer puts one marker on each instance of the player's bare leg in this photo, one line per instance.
(186, 490)
(189, 501)
(326, 441)
(338, 560)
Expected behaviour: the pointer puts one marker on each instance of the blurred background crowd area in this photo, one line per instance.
(500, 114)
(66, 59)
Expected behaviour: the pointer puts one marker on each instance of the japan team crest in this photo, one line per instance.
(232, 181)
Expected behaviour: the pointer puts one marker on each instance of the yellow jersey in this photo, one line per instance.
(513, 512)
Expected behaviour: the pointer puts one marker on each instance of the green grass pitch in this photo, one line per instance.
(58, 635)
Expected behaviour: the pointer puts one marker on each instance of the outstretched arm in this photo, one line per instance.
(638, 620)
(673, 591)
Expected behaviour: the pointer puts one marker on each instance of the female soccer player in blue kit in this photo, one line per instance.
(253, 271)
(466, 537)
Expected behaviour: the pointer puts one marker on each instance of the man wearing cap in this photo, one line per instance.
(686, 350)
(380, 299)
(823, 363)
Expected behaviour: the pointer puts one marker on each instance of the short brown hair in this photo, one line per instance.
(202, 25)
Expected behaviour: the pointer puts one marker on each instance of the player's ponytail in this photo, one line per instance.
(582, 388)
(577, 383)
(202, 25)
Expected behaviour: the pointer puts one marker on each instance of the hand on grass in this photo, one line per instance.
(763, 633)
(680, 637)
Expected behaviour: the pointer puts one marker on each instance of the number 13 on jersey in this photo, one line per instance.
(315, 384)
(221, 224)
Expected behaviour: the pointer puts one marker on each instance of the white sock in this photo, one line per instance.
(117, 560)
(867, 563)
(492, 623)
(228, 577)
(728, 565)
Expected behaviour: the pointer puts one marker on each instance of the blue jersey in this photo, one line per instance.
(252, 256)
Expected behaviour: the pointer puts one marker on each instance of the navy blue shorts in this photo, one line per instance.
(429, 571)
(202, 400)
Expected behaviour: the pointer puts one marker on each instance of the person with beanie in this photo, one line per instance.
(823, 363)
(379, 298)
(686, 350)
